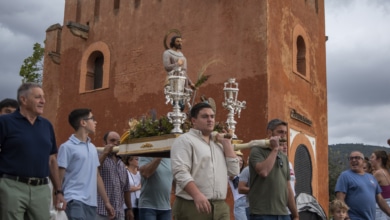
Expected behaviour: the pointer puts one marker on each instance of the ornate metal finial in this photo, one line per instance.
(231, 103)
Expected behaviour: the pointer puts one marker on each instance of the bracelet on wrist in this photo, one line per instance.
(58, 192)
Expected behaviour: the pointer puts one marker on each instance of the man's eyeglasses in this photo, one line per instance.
(355, 158)
(90, 118)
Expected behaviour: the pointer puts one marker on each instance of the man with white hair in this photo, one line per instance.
(28, 138)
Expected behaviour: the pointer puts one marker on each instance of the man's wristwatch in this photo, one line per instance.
(59, 192)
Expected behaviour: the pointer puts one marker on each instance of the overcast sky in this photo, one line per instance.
(358, 61)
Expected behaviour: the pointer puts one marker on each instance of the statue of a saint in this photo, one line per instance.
(173, 58)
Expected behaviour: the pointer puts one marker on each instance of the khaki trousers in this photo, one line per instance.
(186, 210)
(20, 201)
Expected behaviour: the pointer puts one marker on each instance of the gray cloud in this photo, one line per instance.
(22, 23)
(358, 71)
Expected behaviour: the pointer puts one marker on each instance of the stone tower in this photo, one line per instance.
(107, 56)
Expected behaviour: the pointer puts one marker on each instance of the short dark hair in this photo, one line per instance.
(105, 136)
(9, 103)
(173, 39)
(25, 87)
(126, 158)
(76, 116)
(196, 108)
(275, 123)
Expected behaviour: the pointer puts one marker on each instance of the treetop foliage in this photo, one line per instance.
(31, 70)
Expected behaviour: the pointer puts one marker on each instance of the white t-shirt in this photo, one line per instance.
(292, 181)
(135, 180)
(292, 177)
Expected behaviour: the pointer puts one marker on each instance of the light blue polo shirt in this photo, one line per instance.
(81, 161)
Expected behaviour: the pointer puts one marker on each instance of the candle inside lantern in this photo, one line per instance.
(230, 94)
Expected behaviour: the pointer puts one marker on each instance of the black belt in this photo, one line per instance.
(210, 200)
(34, 181)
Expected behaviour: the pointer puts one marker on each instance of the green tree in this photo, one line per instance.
(336, 165)
(334, 172)
(31, 70)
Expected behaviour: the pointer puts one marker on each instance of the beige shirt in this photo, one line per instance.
(193, 159)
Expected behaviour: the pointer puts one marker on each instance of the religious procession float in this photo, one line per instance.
(153, 137)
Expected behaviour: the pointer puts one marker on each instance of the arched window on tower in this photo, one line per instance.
(95, 68)
(301, 55)
(94, 79)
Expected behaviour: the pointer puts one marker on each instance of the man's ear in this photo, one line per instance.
(269, 133)
(23, 99)
(192, 120)
(82, 123)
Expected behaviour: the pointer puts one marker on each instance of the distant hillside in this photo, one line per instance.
(338, 153)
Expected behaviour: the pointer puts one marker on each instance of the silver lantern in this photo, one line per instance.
(231, 103)
(177, 93)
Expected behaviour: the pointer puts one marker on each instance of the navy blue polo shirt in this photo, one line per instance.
(25, 147)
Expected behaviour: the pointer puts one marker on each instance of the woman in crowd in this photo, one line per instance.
(239, 199)
(135, 182)
(367, 165)
(380, 163)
